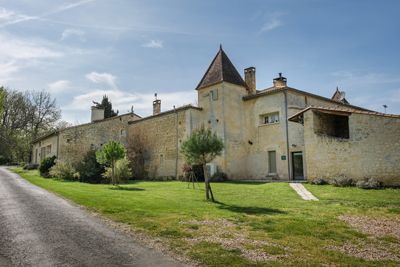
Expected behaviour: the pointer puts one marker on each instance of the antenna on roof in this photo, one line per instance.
(385, 107)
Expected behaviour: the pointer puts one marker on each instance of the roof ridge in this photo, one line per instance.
(221, 69)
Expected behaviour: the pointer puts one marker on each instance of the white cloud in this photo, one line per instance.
(8, 17)
(12, 47)
(7, 70)
(274, 21)
(59, 86)
(122, 101)
(17, 53)
(104, 77)
(72, 32)
(153, 44)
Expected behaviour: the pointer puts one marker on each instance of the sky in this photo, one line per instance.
(80, 50)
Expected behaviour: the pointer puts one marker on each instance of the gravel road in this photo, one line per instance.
(38, 228)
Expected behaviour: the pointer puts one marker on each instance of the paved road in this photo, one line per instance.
(38, 228)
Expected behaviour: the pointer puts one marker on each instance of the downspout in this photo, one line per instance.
(177, 149)
(287, 134)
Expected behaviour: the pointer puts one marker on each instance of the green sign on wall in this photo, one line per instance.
(283, 157)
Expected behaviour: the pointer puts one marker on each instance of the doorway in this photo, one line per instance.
(297, 165)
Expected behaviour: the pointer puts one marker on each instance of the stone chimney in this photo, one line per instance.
(250, 79)
(156, 105)
(280, 81)
(97, 114)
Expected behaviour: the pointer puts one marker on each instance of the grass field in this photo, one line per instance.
(252, 224)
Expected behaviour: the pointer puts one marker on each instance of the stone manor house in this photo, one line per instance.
(276, 133)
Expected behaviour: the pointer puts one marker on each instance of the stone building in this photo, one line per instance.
(71, 144)
(277, 133)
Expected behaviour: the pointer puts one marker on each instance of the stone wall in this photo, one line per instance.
(40, 148)
(157, 141)
(75, 141)
(372, 150)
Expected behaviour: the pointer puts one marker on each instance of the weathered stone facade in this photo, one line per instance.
(158, 139)
(268, 134)
(72, 143)
(371, 151)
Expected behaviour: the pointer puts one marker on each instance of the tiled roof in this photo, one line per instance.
(341, 110)
(185, 107)
(54, 132)
(221, 69)
(339, 96)
(272, 90)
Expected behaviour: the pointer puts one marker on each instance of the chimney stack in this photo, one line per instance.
(97, 114)
(280, 82)
(250, 79)
(156, 105)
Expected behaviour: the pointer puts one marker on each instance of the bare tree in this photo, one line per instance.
(23, 116)
(44, 112)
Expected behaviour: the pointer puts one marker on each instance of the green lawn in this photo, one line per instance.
(251, 225)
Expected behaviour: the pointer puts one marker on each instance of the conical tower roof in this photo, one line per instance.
(221, 69)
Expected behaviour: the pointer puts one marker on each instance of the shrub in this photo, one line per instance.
(31, 166)
(342, 181)
(64, 171)
(89, 169)
(46, 164)
(219, 177)
(122, 171)
(22, 164)
(370, 183)
(4, 160)
(319, 181)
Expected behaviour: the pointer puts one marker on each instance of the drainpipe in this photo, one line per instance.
(177, 149)
(287, 135)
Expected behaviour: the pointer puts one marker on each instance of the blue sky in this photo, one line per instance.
(80, 50)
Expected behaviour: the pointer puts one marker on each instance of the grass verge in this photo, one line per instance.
(251, 225)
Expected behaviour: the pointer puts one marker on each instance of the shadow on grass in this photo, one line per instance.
(249, 210)
(244, 182)
(124, 188)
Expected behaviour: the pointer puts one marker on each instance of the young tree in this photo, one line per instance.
(202, 147)
(107, 106)
(109, 154)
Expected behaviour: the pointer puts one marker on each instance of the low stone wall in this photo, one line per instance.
(372, 150)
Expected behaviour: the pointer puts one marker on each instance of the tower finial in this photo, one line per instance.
(220, 46)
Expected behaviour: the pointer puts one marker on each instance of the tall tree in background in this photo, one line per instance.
(107, 106)
(201, 148)
(23, 117)
(45, 112)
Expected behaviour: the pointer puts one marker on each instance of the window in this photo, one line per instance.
(122, 133)
(270, 118)
(161, 159)
(331, 125)
(42, 153)
(271, 161)
(48, 150)
(214, 94)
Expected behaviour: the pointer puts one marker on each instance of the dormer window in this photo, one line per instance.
(269, 118)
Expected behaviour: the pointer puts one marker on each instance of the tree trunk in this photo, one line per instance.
(207, 184)
(113, 172)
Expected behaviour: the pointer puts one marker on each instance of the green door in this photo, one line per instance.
(297, 162)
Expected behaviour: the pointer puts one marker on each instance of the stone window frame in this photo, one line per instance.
(270, 118)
